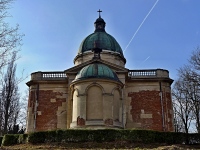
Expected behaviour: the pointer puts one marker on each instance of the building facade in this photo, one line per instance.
(99, 92)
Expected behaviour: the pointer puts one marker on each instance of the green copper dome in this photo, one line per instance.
(105, 41)
(96, 70)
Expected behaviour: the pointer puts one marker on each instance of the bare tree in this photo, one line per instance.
(178, 123)
(10, 44)
(195, 59)
(182, 104)
(10, 39)
(23, 111)
(189, 76)
(1, 116)
(183, 107)
(10, 98)
(194, 77)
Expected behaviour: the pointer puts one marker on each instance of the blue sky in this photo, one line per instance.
(54, 30)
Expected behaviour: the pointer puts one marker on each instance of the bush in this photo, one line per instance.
(10, 139)
(103, 135)
(133, 135)
(22, 138)
(59, 135)
(194, 138)
(50, 136)
(1, 138)
(37, 137)
(173, 137)
(109, 135)
(77, 135)
(106, 135)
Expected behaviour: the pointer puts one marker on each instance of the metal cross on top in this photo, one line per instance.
(99, 13)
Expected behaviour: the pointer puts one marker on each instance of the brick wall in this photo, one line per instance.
(169, 112)
(146, 110)
(48, 103)
(48, 106)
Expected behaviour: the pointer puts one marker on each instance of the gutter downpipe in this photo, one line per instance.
(123, 108)
(162, 108)
(36, 105)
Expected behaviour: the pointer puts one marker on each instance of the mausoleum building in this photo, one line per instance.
(99, 92)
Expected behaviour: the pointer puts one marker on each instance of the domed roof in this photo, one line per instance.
(96, 70)
(105, 41)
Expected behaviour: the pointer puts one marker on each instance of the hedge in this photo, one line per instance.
(106, 135)
(13, 139)
(1, 138)
(194, 138)
(103, 135)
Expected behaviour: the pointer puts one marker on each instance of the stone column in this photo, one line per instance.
(108, 108)
(81, 110)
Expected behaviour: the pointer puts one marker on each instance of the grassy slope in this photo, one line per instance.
(92, 145)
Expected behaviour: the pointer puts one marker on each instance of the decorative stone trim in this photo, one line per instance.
(145, 115)
(94, 122)
(39, 112)
(52, 100)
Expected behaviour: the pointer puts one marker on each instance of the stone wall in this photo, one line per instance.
(109, 56)
(143, 102)
(96, 103)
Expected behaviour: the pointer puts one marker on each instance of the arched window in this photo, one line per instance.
(116, 105)
(94, 106)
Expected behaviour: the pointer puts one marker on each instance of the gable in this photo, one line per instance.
(116, 68)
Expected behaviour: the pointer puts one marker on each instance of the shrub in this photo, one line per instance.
(51, 136)
(1, 138)
(76, 135)
(59, 135)
(194, 138)
(148, 136)
(145, 136)
(108, 135)
(10, 139)
(174, 137)
(37, 137)
(22, 138)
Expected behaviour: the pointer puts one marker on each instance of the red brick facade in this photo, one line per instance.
(147, 110)
(46, 118)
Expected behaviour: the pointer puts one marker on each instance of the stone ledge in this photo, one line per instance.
(94, 122)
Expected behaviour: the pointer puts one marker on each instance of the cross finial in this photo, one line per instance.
(99, 13)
